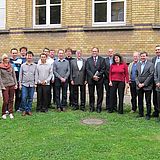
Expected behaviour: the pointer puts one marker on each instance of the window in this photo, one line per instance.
(47, 13)
(109, 12)
(2, 14)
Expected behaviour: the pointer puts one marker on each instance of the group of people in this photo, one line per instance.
(52, 76)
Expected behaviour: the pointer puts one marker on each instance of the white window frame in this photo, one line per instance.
(4, 8)
(47, 25)
(108, 23)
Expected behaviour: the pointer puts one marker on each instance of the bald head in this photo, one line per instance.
(110, 52)
(136, 57)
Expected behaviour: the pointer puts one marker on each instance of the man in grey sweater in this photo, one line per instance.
(61, 71)
(44, 74)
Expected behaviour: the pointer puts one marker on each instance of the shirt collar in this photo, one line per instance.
(29, 63)
(143, 62)
(59, 60)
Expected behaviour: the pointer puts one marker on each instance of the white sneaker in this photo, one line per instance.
(7, 112)
(11, 116)
(4, 116)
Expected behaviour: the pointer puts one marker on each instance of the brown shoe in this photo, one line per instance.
(30, 113)
(23, 113)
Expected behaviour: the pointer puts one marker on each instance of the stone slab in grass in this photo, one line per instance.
(92, 121)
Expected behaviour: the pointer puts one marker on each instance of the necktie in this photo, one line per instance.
(94, 58)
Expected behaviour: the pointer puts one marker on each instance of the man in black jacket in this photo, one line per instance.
(95, 67)
(78, 80)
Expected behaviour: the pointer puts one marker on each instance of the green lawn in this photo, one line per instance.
(61, 136)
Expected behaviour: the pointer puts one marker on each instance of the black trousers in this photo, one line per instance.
(147, 93)
(76, 96)
(70, 93)
(52, 94)
(158, 100)
(42, 97)
(156, 111)
(61, 89)
(134, 95)
(107, 88)
(99, 88)
(18, 98)
(120, 86)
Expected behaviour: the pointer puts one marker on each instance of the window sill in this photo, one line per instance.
(4, 31)
(110, 28)
(41, 30)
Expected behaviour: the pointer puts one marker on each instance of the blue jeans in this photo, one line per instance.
(27, 98)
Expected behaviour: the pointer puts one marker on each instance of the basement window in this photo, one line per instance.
(47, 13)
(109, 12)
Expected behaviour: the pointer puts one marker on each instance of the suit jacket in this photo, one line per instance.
(78, 76)
(91, 69)
(146, 76)
(106, 72)
(157, 75)
(154, 59)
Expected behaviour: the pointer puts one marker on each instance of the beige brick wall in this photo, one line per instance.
(75, 15)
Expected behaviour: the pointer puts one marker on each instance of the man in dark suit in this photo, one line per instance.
(157, 82)
(69, 57)
(144, 82)
(108, 62)
(155, 60)
(95, 67)
(78, 80)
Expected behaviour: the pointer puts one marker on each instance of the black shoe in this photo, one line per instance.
(157, 119)
(82, 109)
(109, 111)
(147, 117)
(37, 110)
(92, 109)
(139, 116)
(155, 114)
(63, 109)
(98, 110)
(120, 112)
(115, 109)
(75, 108)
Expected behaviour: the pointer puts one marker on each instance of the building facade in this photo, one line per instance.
(124, 25)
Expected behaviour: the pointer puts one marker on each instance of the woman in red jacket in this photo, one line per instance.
(118, 76)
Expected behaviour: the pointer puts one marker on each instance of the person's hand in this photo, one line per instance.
(140, 85)
(43, 82)
(110, 83)
(72, 82)
(52, 81)
(96, 78)
(4, 88)
(126, 88)
(20, 86)
(158, 85)
(63, 80)
(15, 87)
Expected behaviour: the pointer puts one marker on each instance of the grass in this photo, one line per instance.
(61, 136)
